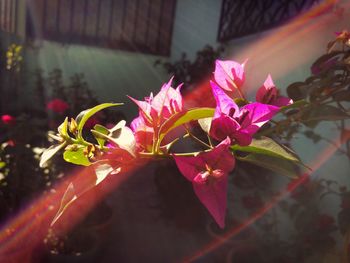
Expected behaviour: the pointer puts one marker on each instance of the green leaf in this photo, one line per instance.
(324, 113)
(76, 157)
(50, 152)
(103, 130)
(275, 164)
(68, 198)
(297, 91)
(83, 116)
(326, 58)
(182, 118)
(267, 146)
(63, 128)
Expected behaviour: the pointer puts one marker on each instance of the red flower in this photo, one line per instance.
(11, 143)
(8, 119)
(57, 105)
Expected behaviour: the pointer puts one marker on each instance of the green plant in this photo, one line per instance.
(190, 72)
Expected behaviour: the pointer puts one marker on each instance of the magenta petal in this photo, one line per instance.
(190, 167)
(213, 196)
(137, 124)
(144, 106)
(208, 172)
(259, 114)
(228, 74)
(283, 101)
(143, 134)
(244, 137)
(222, 127)
(165, 100)
(262, 93)
(220, 157)
(224, 104)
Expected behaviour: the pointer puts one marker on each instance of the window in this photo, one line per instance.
(135, 25)
(8, 11)
(243, 17)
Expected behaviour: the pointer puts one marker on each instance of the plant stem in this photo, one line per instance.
(199, 140)
(195, 138)
(167, 155)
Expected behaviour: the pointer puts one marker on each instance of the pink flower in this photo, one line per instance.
(208, 172)
(8, 119)
(155, 110)
(143, 134)
(268, 94)
(229, 75)
(239, 124)
(57, 105)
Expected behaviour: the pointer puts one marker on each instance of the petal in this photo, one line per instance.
(224, 104)
(222, 127)
(162, 102)
(144, 106)
(283, 101)
(144, 140)
(213, 195)
(190, 167)
(220, 157)
(143, 134)
(137, 123)
(259, 114)
(262, 93)
(243, 137)
(228, 74)
(211, 190)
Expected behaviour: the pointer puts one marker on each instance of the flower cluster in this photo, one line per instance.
(227, 125)
(208, 171)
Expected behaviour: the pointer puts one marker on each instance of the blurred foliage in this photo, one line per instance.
(189, 72)
(14, 57)
(322, 97)
(24, 137)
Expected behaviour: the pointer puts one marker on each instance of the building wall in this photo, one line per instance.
(111, 74)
